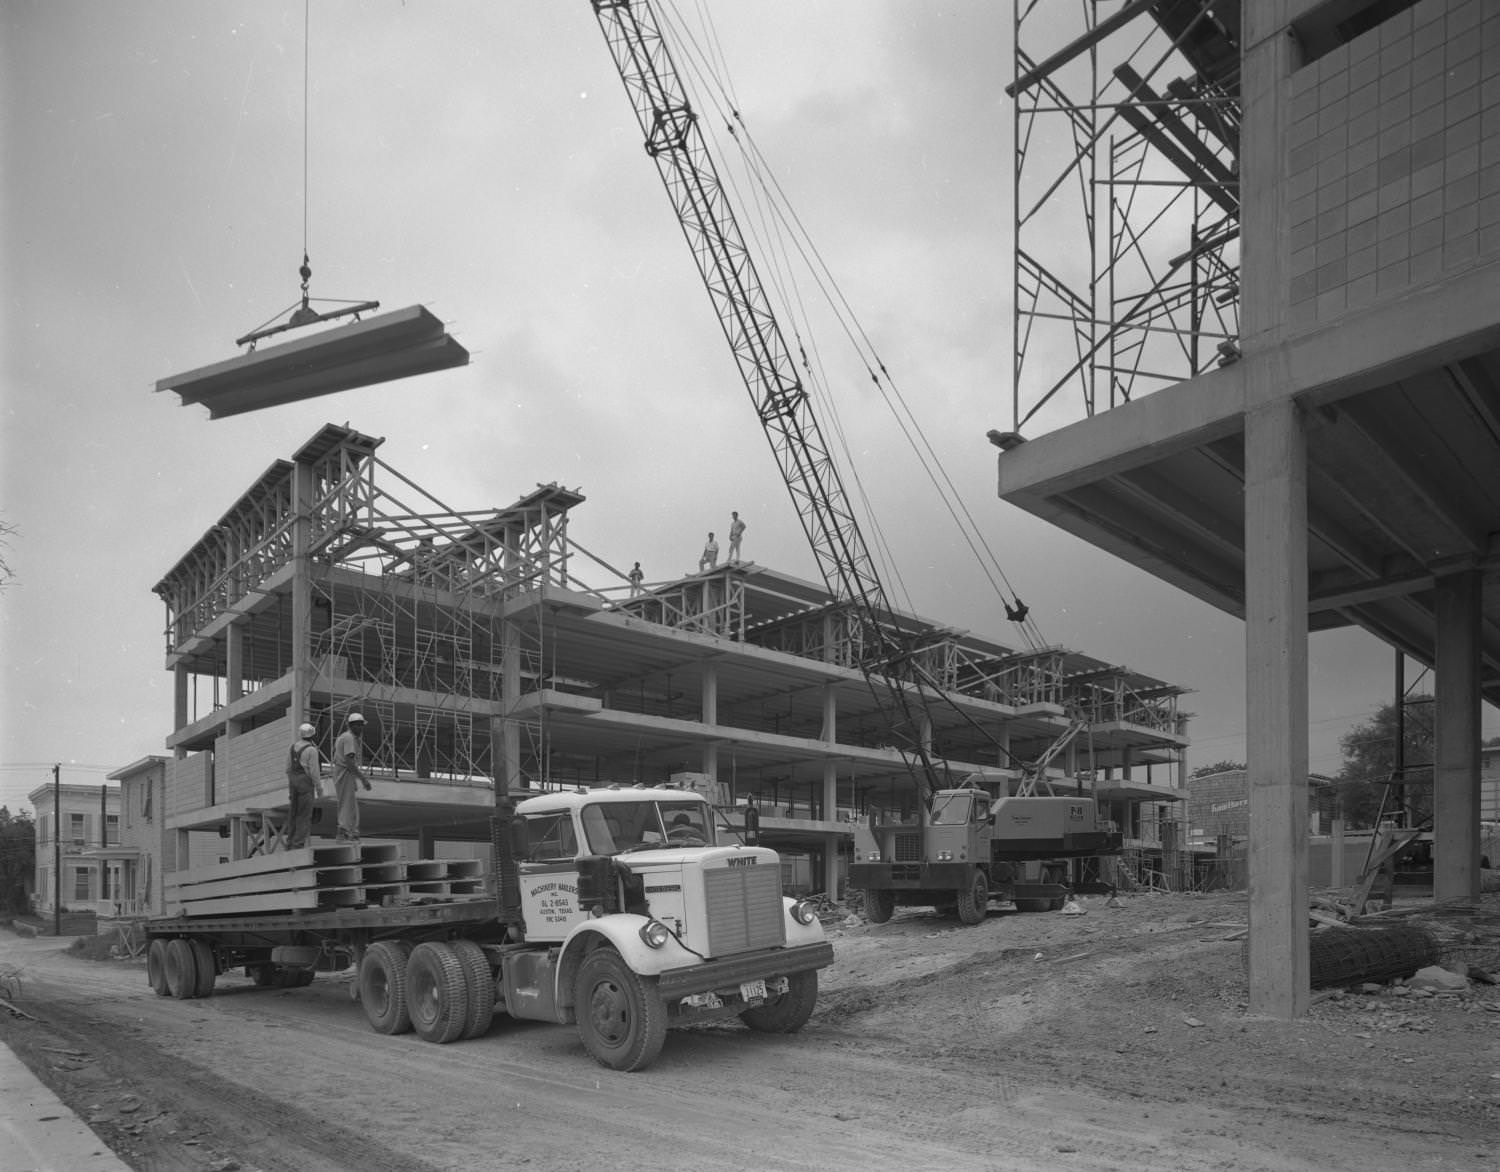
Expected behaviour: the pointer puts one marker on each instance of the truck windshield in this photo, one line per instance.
(613, 827)
(951, 809)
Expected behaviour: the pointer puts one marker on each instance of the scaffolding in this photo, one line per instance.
(1126, 198)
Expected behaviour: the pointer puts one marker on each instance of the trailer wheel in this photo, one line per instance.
(181, 969)
(156, 967)
(879, 904)
(974, 902)
(786, 1013)
(621, 1021)
(436, 992)
(264, 975)
(204, 966)
(382, 986)
(481, 988)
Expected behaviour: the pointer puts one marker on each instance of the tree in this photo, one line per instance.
(1216, 767)
(17, 859)
(1369, 751)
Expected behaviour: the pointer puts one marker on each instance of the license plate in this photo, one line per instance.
(753, 990)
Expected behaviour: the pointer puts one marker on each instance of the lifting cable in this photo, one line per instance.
(780, 223)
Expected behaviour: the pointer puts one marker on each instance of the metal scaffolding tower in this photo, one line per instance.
(1126, 240)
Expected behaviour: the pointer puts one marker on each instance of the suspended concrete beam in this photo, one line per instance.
(394, 345)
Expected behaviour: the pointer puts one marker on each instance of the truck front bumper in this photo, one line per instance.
(734, 971)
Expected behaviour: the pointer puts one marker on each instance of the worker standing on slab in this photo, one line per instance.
(736, 533)
(346, 773)
(304, 771)
(710, 556)
(637, 576)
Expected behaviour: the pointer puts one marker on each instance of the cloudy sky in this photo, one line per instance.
(481, 158)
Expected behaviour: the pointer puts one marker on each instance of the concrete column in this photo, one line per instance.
(302, 495)
(1276, 706)
(505, 732)
(831, 841)
(234, 670)
(830, 731)
(710, 716)
(179, 700)
(1455, 777)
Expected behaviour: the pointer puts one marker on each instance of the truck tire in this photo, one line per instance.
(481, 988)
(181, 969)
(156, 967)
(436, 993)
(974, 901)
(621, 1020)
(204, 966)
(786, 1013)
(382, 986)
(879, 904)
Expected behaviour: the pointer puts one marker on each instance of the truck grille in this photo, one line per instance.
(744, 909)
(908, 848)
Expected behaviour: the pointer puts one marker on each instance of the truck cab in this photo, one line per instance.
(636, 917)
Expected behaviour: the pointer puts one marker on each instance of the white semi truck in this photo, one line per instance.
(617, 909)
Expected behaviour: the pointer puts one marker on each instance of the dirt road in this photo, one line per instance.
(1113, 1040)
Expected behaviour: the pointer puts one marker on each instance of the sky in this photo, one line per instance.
(165, 162)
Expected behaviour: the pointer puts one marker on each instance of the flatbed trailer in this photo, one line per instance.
(604, 914)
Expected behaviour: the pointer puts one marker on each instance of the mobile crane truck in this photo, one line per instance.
(617, 909)
(970, 848)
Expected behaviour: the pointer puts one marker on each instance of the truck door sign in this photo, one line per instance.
(555, 902)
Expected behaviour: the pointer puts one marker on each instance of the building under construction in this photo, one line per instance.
(478, 647)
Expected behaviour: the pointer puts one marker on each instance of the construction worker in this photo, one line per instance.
(710, 556)
(736, 532)
(637, 576)
(304, 773)
(346, 773)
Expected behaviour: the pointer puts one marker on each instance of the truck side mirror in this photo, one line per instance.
(752, 826)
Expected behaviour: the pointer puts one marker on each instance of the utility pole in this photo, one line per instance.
(57, 850)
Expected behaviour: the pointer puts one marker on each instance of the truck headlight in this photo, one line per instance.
(804, 912)
(945, 856)
(655, 934)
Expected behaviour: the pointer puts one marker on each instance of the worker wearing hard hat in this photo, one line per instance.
(347, 771)
(304, 771)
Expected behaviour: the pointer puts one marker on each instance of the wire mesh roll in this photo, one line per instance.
(1343, 956)
(1346, 956)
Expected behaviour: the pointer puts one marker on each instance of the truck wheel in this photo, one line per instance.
(264, 975)
(156, 967)
(181, 969)
(879, 904)
(974, 901)
(382, 986)
(621, 1020)
(436, 993)
(786, 1013)
(204, 966)
(481, 988)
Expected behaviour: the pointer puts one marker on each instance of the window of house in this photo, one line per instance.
(83, 886)
(112, 830)
(76, 830)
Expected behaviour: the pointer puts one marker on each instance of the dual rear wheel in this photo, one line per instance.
(444, 990)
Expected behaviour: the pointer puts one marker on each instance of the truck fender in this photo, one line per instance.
(799, 933)
(622, 932)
